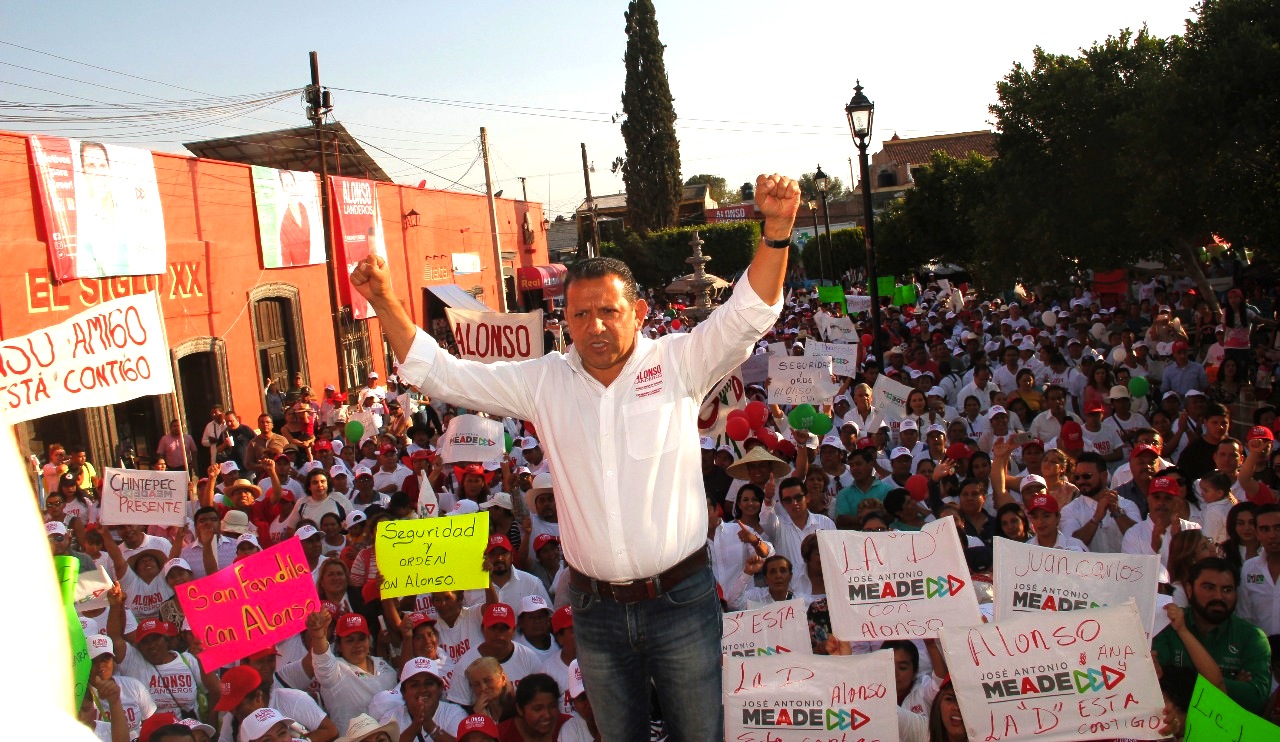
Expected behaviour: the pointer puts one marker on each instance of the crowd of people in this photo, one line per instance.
(1065, 420)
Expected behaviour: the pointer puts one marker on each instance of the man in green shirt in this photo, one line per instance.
(1228, 651)
(865, 485)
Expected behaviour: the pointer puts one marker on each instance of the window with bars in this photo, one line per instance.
(356, 359)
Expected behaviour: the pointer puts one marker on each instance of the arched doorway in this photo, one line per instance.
(200, 368)
(277, 334)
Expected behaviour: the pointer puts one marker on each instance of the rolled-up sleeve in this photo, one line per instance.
(496, 388)
(725, 339)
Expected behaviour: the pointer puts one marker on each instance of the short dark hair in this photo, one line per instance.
(531, 685)
(1092, 457)
(790, 482)
(173, 733)
(913, 652)
(603, 268)
(1211, 564)
(776, 558)
(1217, 410)
(895, 499)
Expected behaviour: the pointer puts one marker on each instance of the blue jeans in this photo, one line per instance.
(672, 641)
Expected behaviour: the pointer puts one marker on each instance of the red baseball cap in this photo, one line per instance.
(1043, 502)
(1071, 435)
(866, 443)
(1260, 433)
(562, 619)
(237, 683)
(498, 542)
(352, 623)
(498, 613)
(322, 446)
(150, 626)
(154, 722)
(417, 618)
(1142, 448)
(1094, 407)
(1179, 345)
(958, 452)
(542, 540)
(477, 723)
(1033, 443)
(386, 448)
(1167, 485)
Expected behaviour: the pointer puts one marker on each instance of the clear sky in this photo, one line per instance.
(759, 86)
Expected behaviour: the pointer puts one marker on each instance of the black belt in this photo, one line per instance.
(634, 591)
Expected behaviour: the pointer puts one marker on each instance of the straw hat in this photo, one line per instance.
(738, 469)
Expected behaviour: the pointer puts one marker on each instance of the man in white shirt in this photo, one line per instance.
(1152, 536)
(981, 388)
(498, 627)
(1259, 601)
(390, 474)
(1048, 424)
(513, 585)
(792, 521)
(1099, 517)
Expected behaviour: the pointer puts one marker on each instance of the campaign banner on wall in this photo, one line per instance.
(800, 380)
(897, 584)
(465, 263)
(251, 605)
(844, 356)
(111, 353)
(890, 398)
(493, 337)
(143, 497)
(804, 698)
(472, 438)
(287, 202)
(358, 234)
(778, 628)
(1030, 578)
(101, 208)
(1056, 676)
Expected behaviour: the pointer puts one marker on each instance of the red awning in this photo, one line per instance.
(549, 279)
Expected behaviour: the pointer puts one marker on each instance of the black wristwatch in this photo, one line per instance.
(777, 244)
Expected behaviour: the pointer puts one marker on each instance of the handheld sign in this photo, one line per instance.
(91, 590)
(779, 628)
(788, 698)
(251, 605)
(145, 498)
(797, 380)
(67, 568)
(1213, 717)
(472, 438)
(426, 556)
(898, 584)
(844, 356)
(890, 398)
(112, 353)
(492, 337)
(1031, 578)
(1056, 676)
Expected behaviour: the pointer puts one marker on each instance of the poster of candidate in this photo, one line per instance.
(288, 206)
(101, 208)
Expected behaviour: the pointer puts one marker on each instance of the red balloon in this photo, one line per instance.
(737, 428)
(739, 413)
(528, 428)
(675, 324)
(767, 437)
(866, 341)
(757, 413)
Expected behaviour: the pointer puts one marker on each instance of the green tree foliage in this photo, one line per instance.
(651, 170)
(719, 188)
(809, 192)
(849, 252)
(658, 258)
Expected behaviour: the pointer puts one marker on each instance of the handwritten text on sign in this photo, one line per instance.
(490, 337)
(1032, 578)
(112, 353)
(1213, 717)
(844, 356)
(779, 628)
(792, 698)
(797, 380)
(896, 585)
(426, 556)
(1056, 676)
(251, 605)
(141, 497)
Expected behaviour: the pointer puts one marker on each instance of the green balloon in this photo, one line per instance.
(1139, 386)
(508, 441)
(801, 418)
(821, 425)
(353, 432)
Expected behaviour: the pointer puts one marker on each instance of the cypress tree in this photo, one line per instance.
(651, 172)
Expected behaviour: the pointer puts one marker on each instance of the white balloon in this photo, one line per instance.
(1118, 354)
(1049, 318)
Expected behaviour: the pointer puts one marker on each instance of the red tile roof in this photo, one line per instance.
(916, 151)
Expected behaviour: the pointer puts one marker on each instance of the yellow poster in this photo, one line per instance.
(432, 554)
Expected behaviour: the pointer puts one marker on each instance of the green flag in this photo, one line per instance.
(68, 570)
(885, 286)
(832, 295)
(905, 294)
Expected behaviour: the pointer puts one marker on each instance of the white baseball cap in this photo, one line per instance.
(909, 424)
(936, 392)
(707, 444)
(175, 563)
(418, 666)
(899, 451)
(497, 500)
(533, 604)
(228, 467)
(529, 443)
(355, 517)
(99, 644)
(465, 507)
(260, 722)
(305, 532)
(996, 410)
(576, 686)
(55, 528)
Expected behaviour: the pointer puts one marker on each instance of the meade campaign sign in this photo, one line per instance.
(112, 353)
(890, 398)
(794, 698)
(1032, 578)
(779, 628)
(797, 380)
(251, 605)
(145, 498)
(472, 438)
(896, 585)
(491, 337)
(1056, 676)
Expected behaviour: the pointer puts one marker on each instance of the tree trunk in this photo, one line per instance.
(1191, 264)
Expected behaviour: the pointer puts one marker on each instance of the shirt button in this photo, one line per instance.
(609, 474)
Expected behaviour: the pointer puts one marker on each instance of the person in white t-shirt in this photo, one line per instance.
(1045, 515)
(350, 676)
(422, 713)
(498, 626)
(244, 691)
(134, 701)
(534, 624)
(1153, 535)
(175, 680)
(582, 727)
(560, 664)
(513, 585)
(141, 577)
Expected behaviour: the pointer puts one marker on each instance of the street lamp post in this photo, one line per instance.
(860, 111)
(813, 209)
(820, 182)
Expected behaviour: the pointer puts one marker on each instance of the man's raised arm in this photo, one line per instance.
(777, 198)
(373, 280)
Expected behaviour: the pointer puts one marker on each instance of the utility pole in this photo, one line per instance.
(319, 104)
(524, 191)
(852, 179)
(593, 249)
(493, 222)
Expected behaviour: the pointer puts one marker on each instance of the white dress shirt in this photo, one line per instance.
(623, 456)
(1259, 600)
(1137, 540)
(1107, 538)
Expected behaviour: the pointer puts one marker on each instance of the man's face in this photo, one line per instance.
(1226, 457)
(533, 456)
(499, 562)
(758, 472)
(1087, 478)
(265, 424)
(859, 467)
(901, 466)
(1143, 467)
(909, 438)
(1213, 596)
(231, 420)
(602, 321)
(545, 504)
(536, 624)
(793, 500)
(1216, 427)
(1268, 530)
(1160, 506)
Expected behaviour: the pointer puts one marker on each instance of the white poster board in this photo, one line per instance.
(779, 628)
(492, 337)
(472, 438)
(1030, 578)
(144, 498)
(890, 398)
(795, 698)
(1056, 676)
(897, 584)
(844, 356)
(798, 379)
